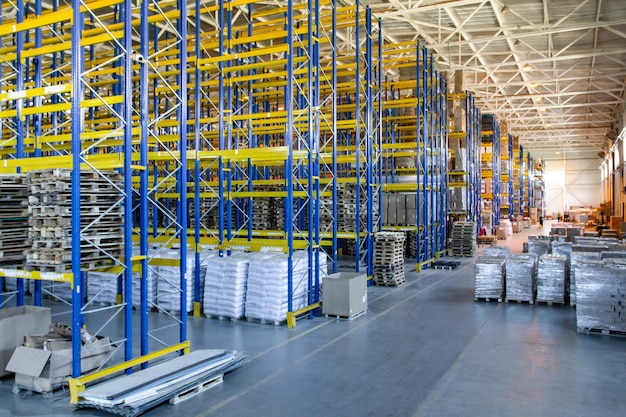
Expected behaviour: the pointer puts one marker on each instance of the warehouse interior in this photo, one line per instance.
(327, 207)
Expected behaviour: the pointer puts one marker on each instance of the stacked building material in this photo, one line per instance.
(167, 274)
(14, 240)
(267, 293)
(562, 248)
(347, 207)
(133, 394)
(50, 221)
(102, 286)
(521, 277)
(601, 297)
(463, 239)
(489, 277)
(539, 245)
(225, 287)
(411, 244)
(389, 258)
(497, 251)
(551, 278)
(582, 256)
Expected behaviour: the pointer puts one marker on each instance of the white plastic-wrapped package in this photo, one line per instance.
(169, 280)
(225, 286)
(267, 293)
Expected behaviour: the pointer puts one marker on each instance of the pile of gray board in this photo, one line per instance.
(489, 277)
(582, 257)
(601, 297)
(134, 394)
(389, 258)
(50, 220)
(521, 277)
(463, 239)
(551, 279)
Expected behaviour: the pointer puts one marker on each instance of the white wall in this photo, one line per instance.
(572, 183)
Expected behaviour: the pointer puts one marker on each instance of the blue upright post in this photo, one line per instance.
(77, 121)
(38, 121)
(196, 197)
(144, 34)
(19, 107)
(182, 176)
(289, 162)
(128, 184)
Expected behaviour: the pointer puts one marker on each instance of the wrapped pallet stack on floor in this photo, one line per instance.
(489, 277)
(267, 292)
(582, 256)
(389, 258)
(551, 278)
(225, 287)
(539, 245)
(521, 277)
(601, 297)
(167, 273)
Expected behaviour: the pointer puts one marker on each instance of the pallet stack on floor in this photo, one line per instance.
(551, 279)
(463, 239)
(489, 277)
(50, 220)
(389, 258)
(601, 297)
(521, 277)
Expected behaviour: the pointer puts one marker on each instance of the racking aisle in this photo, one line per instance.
(415, 114)
(490, 173)
(463, 145)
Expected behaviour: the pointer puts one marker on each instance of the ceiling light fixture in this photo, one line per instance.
(539, 99)
(533, 84)
(542, 109)
(505, 9)
(527, 67)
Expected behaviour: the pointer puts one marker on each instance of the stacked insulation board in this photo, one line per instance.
(539, 245)
(389, 258)
(489, 277)
(601, 297)
(521, 277)
(552, 278)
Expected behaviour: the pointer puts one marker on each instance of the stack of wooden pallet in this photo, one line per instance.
(463, 239)
(13, 224)
(50, 221)
(389, 258)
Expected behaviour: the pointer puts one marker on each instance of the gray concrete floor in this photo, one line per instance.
(423, 349)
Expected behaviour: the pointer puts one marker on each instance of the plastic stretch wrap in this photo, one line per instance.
(489, 276)
(601, 296)
(521, 277)
(551, 278)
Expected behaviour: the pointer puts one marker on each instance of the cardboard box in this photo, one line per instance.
(411, 202)
(411, 217)
(401, 216)
(400, 201)
(345, 294)
(501, 232)
(15, 323)
(44, 370)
